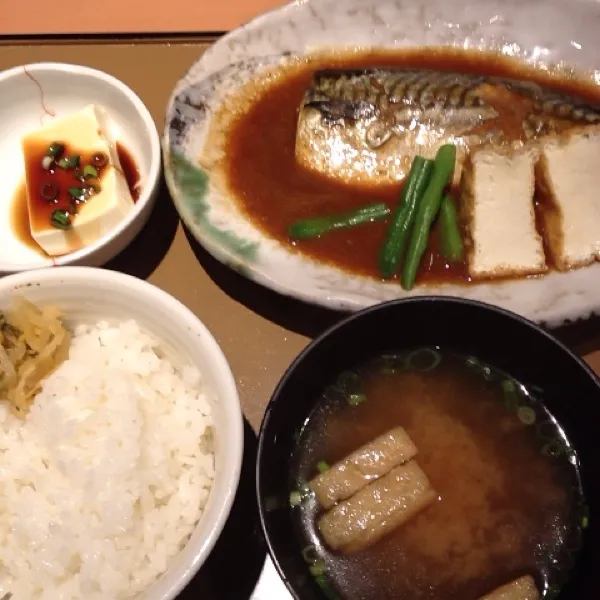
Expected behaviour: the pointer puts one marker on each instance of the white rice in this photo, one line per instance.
(105, 480)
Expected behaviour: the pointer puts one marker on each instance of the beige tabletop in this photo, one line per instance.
(259, 331)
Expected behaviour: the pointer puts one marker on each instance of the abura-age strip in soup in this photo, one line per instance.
(364, 465)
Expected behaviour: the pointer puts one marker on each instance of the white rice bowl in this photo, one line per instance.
(107, 477)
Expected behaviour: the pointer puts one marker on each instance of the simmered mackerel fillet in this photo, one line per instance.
(366, 125)
(497, 209)
(367, 463)
(569, 174)
(523, 588)
(377, 509)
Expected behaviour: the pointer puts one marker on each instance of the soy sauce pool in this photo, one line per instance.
(509, 499)
(20, 219)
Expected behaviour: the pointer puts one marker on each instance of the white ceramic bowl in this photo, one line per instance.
(86, 295)
(27, 94)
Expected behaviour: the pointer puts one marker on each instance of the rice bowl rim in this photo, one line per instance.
(225, 483)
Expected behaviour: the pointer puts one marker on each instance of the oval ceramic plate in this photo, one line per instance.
(541, 32)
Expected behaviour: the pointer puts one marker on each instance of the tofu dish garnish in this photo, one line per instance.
(76, 187)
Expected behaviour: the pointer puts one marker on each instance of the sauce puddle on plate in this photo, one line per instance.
(274, 190)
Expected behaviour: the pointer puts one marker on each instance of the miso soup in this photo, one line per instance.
(508, 499)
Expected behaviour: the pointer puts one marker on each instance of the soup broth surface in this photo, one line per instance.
(508, 493)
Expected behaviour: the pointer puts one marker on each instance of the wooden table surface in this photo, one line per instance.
(259, 331)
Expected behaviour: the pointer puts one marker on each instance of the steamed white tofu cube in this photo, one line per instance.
(568, 173)
(83, 134)
(497, 208)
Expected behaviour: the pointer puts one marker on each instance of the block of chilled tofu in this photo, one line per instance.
(76, 189)
(569, 176)
(523, 588)
(377, 509)
(362, 466)
(498, 213)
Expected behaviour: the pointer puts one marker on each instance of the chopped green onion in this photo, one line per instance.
(60, 219)
(323, 466)
(326, 588)
(511, 398)
(509, 386)
(309, 554)
(304, 488)
(317, 568)
(69, 163)
(77, 193)
(89, 171)
(356, 399)
(488, 373)
(431, 357)
(55, 149)
(526, 415)
(99, 160)
(300, 494)
(471, 362)
(554, 448)
(585, 522)
(47, 162)
(49, 191)
(78, 174)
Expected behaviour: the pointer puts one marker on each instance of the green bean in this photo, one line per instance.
(452, 244)
(312, 228)
(404, 216)
(427, 211)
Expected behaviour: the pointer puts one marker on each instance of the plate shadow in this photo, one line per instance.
(149, 248)
(294, 315)
(310, 320)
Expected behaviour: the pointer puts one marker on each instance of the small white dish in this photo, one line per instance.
(87, 295)
(31, 96)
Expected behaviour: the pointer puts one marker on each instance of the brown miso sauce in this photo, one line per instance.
(275, 191)
(505, 508)
(42, 209)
